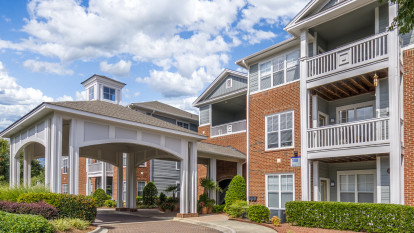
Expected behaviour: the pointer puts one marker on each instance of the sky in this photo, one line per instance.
(163, 50)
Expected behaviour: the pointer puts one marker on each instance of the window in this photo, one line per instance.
(64, 188)
(91, 93)
(140, 187)
(279, 130)
(65, 165)
(355, 112)
(280, 70)
(124, 191)
(183, 124)
(280, 189)
(178, 165)
(356, 186)
(124, 160)
(144, 164)
(229, 83)
(109, 93)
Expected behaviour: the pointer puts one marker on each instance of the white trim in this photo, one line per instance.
(279, 138)
(221, 135)
(356, 173)
(143, 187)
(325, 115)
(239, 92)
(176, 165)
(280, 188)
(229, 83)
(328, 188)
(144, 164)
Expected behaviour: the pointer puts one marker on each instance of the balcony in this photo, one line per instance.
(228, 128)
(359, 54)
(96, 169)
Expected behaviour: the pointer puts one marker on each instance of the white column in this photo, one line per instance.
(56, 153)
(394, 79)
(305, 182)
(315, 111)
(103, 176)
(213, 176)
(239, 169)
(26, 164)
(17, 170)
(73, 160)
(131, 181)
(11, 168)
(193, 179)
(316, 181)
(47, 153)
(120, 180)
(184, 178)
(379, 191)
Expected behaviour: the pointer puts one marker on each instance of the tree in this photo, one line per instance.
(150, 193)
(4, 161)
(172, 188)
(236, 190)
(209, 185)
(405, 17)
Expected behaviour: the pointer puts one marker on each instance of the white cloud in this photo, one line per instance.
(7, 20)
(81, 95)
(137, 94)
(46, 67)
(185, 104)
(15, 100)
(65, 98)
(120, 69)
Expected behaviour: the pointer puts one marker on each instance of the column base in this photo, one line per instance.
(189, 215)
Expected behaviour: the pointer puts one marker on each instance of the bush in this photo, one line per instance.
(11, 194)
(369, 217)
(218, 208)
(258, 213)
(237, 209)
(68, 205)
(110, 203)
(24, 223)
(150, 192)
(40, 208)
(236, 190)
(139, 200)
(66, 224)
(167, 206)
(162, 198)
(275, 221)
(100, 197)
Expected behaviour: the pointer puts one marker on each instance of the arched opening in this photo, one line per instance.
(224, 185)
(31, 164)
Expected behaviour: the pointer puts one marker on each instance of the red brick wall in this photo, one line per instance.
(82, 176)
(409, 126)
(237, 141)
(263, 162)
(202, 173)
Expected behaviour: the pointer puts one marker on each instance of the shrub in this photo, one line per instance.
(258, 213)
(40, 208)
(110, 203)
(236, 190)
(12, 193)
(139, 200)
(100, 197)
(24, 223)
(66, 224)
(218, 208)
(68, 206)
(275, 221)
(167, 206)
(237, 209)
(162, 198)
(150, 192)
(369, 217)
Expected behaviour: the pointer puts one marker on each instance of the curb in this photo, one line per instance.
(99, 229)
(209, 225)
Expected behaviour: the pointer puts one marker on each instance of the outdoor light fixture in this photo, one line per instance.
(375, 80)
(332, 183)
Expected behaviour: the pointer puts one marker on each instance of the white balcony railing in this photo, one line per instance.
(229, 128)
(367, 131)
(97, 167)
(357, 53)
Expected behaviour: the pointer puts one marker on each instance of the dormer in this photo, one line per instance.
(99, 87)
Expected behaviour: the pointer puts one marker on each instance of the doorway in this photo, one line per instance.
(324, 191)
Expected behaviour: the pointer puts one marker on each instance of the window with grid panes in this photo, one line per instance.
(279, 130)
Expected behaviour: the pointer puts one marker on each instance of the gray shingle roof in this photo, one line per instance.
(226, 151)
(165, 108)
(120, 112)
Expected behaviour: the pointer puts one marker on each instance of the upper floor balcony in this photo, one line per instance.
(228, 117)
(95, 168)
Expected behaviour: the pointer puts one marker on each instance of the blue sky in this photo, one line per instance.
(163, 50)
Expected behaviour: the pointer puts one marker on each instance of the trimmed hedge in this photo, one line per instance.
(236, 190)
(40, 208)
(100, 197)
(149, 194)
(369, 217)
(68, 205)
(258, 213)
(24, 223)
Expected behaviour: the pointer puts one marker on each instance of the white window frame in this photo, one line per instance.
(280, 189)
(293, 131)
(145, 183)
(144, 164)
(229, 82)
(103, 93)
(124, 160)
(65, 166)
(91, 93)
(355, 106)
(356, 173)
(64, 188)
(178, 163)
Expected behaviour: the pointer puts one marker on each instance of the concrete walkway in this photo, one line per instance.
(155, 221)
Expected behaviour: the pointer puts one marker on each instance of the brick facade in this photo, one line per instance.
(237, 140)
(408, 83)
(262, 162)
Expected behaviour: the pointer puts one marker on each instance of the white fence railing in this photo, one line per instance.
(359, 52)
(373, 130)
(97, 167)
(229, 128)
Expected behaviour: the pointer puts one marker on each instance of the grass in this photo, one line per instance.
(12, 193)
(66, 224)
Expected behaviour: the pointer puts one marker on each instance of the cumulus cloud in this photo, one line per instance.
(64, 98)
(120, 69)
(46, 67)
(185, 104)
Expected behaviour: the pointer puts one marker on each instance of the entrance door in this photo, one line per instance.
(322, 119)
(324, 189)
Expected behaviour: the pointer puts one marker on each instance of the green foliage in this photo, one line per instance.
(237, 208)
(218, 208)
(162, 198)
(150, 193)
(139, 200)
(369, 217)
(66, 224)
(100, 197)
(405, 16)
(258, 213)
(24, 223)
(69, 206)
(275, 221)
(12, 193)
(4, 161)
(236, 190)
(173, 189)
(110, 203)
(167, 206)
(209, 185)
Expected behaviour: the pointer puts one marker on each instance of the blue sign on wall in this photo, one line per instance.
(295, 161)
